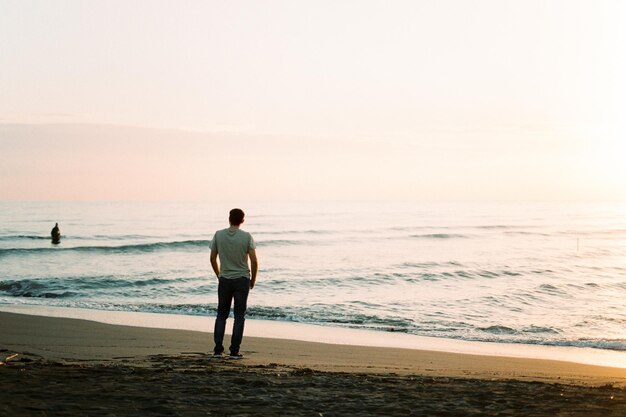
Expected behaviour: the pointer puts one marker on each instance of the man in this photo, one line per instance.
(55, 233)
(234, 247)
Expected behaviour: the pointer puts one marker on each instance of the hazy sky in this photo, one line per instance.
(355, 99)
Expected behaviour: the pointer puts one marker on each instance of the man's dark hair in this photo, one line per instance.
(236, 216)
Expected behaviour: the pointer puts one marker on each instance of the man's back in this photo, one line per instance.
(232, 245)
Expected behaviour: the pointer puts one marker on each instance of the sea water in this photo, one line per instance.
(534, 273)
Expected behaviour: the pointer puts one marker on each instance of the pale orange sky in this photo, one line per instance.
(312, 100)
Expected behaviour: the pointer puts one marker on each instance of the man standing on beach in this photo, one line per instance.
(234, 247)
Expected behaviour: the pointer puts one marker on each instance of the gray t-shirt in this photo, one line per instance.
(232, 246)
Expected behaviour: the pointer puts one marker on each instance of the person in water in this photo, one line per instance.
(234, 248)
(56, 234)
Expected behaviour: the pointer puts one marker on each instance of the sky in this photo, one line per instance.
(312, 100)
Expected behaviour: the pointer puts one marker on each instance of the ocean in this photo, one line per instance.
(532, 273)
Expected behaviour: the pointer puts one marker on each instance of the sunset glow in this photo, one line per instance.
(324, 101)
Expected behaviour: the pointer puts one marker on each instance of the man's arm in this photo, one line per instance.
(216, 267)
(254, 266)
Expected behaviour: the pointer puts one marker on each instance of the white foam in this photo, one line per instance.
(334, 335)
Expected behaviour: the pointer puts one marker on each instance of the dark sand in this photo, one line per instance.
(71, 367)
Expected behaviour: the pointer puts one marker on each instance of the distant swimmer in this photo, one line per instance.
(56, 234)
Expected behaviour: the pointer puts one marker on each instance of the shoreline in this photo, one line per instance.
(67, 366)
(72, 340)
(304, 332)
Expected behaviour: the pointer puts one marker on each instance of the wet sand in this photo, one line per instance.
(76, 367)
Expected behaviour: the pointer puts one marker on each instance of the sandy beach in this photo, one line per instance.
(79, 367)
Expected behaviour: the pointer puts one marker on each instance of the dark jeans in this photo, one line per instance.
(228, 290)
